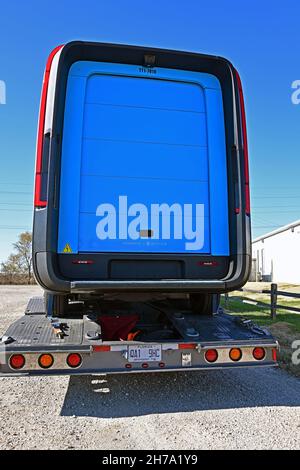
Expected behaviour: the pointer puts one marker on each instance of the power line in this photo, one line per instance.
(16, 184)
(16, 210)
(15, 204)
(8, 227)
(277, 212)
(16, 192)
(275, 197)
(273, 207)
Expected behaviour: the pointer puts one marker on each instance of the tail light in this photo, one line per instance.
(245, 145)
(187, 345)
(17, 361)
(102, 348)
(259, 353)
(211, 355)
(235, 354)
(42, 141)
(74, 360)
(45, 361)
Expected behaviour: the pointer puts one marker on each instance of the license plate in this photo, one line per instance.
(144, 353)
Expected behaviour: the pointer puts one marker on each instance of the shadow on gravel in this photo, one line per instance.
(142, 394)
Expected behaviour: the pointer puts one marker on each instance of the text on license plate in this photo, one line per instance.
(147, 353)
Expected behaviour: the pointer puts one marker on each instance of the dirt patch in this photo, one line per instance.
(286, 335)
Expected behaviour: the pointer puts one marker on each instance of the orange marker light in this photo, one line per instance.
(46, 361)
(235, 354)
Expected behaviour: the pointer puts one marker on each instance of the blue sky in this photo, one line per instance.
(260, 38)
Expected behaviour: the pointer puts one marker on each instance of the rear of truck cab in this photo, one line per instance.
(138, 133)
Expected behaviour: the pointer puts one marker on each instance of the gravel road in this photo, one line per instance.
(237, 409)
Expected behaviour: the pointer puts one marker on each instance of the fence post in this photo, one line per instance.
(273, 300)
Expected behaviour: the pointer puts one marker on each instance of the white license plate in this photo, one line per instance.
(144, 353)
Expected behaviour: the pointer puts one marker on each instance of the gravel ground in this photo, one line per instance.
(237, 409)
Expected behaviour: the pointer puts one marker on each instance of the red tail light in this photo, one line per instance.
(39, 201)
(259, 353)
(211, 355)
(245, 145)
(17, 361)
(74, 360)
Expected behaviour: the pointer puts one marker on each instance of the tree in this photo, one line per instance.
(20, 262)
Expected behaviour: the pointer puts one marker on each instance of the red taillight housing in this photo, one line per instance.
(245, 144)
(39, 199)
(259, 353)
(17, 361)
(211, 355)
(74, 360)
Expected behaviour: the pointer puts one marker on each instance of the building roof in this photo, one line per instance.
(278, 230)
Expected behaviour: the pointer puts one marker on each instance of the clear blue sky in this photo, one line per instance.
(260, 38)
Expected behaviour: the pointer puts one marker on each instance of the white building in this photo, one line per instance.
(277, 255)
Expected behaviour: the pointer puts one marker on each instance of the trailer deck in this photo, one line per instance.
(35, 335)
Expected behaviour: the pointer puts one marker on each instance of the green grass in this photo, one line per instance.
(261, 315)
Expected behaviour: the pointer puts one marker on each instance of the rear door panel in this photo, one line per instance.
(154, 139)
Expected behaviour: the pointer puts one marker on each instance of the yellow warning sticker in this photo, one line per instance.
(67, 248)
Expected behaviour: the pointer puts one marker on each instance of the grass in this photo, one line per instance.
(261, 315)
(285, 327)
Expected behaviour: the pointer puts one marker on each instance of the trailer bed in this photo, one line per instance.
(34, 334)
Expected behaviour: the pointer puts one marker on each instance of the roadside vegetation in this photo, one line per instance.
(17, 269)
(285, 327)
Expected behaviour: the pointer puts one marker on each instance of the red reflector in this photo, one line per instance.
(208, 263)
(145, 365)
(82, 261)
(128, 366)
(102, 348)
(74, 360)
(161, 364)
(17, 361)
(245, 145)
(187, 346)
(211, 355)
(274, 354)
(259, 353)
(40, 136)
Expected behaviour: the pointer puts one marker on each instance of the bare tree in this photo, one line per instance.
(20, 262)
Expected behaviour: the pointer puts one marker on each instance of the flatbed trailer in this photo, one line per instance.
(32, 345)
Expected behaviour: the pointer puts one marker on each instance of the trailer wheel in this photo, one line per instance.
(204, 304)
(55, 304)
